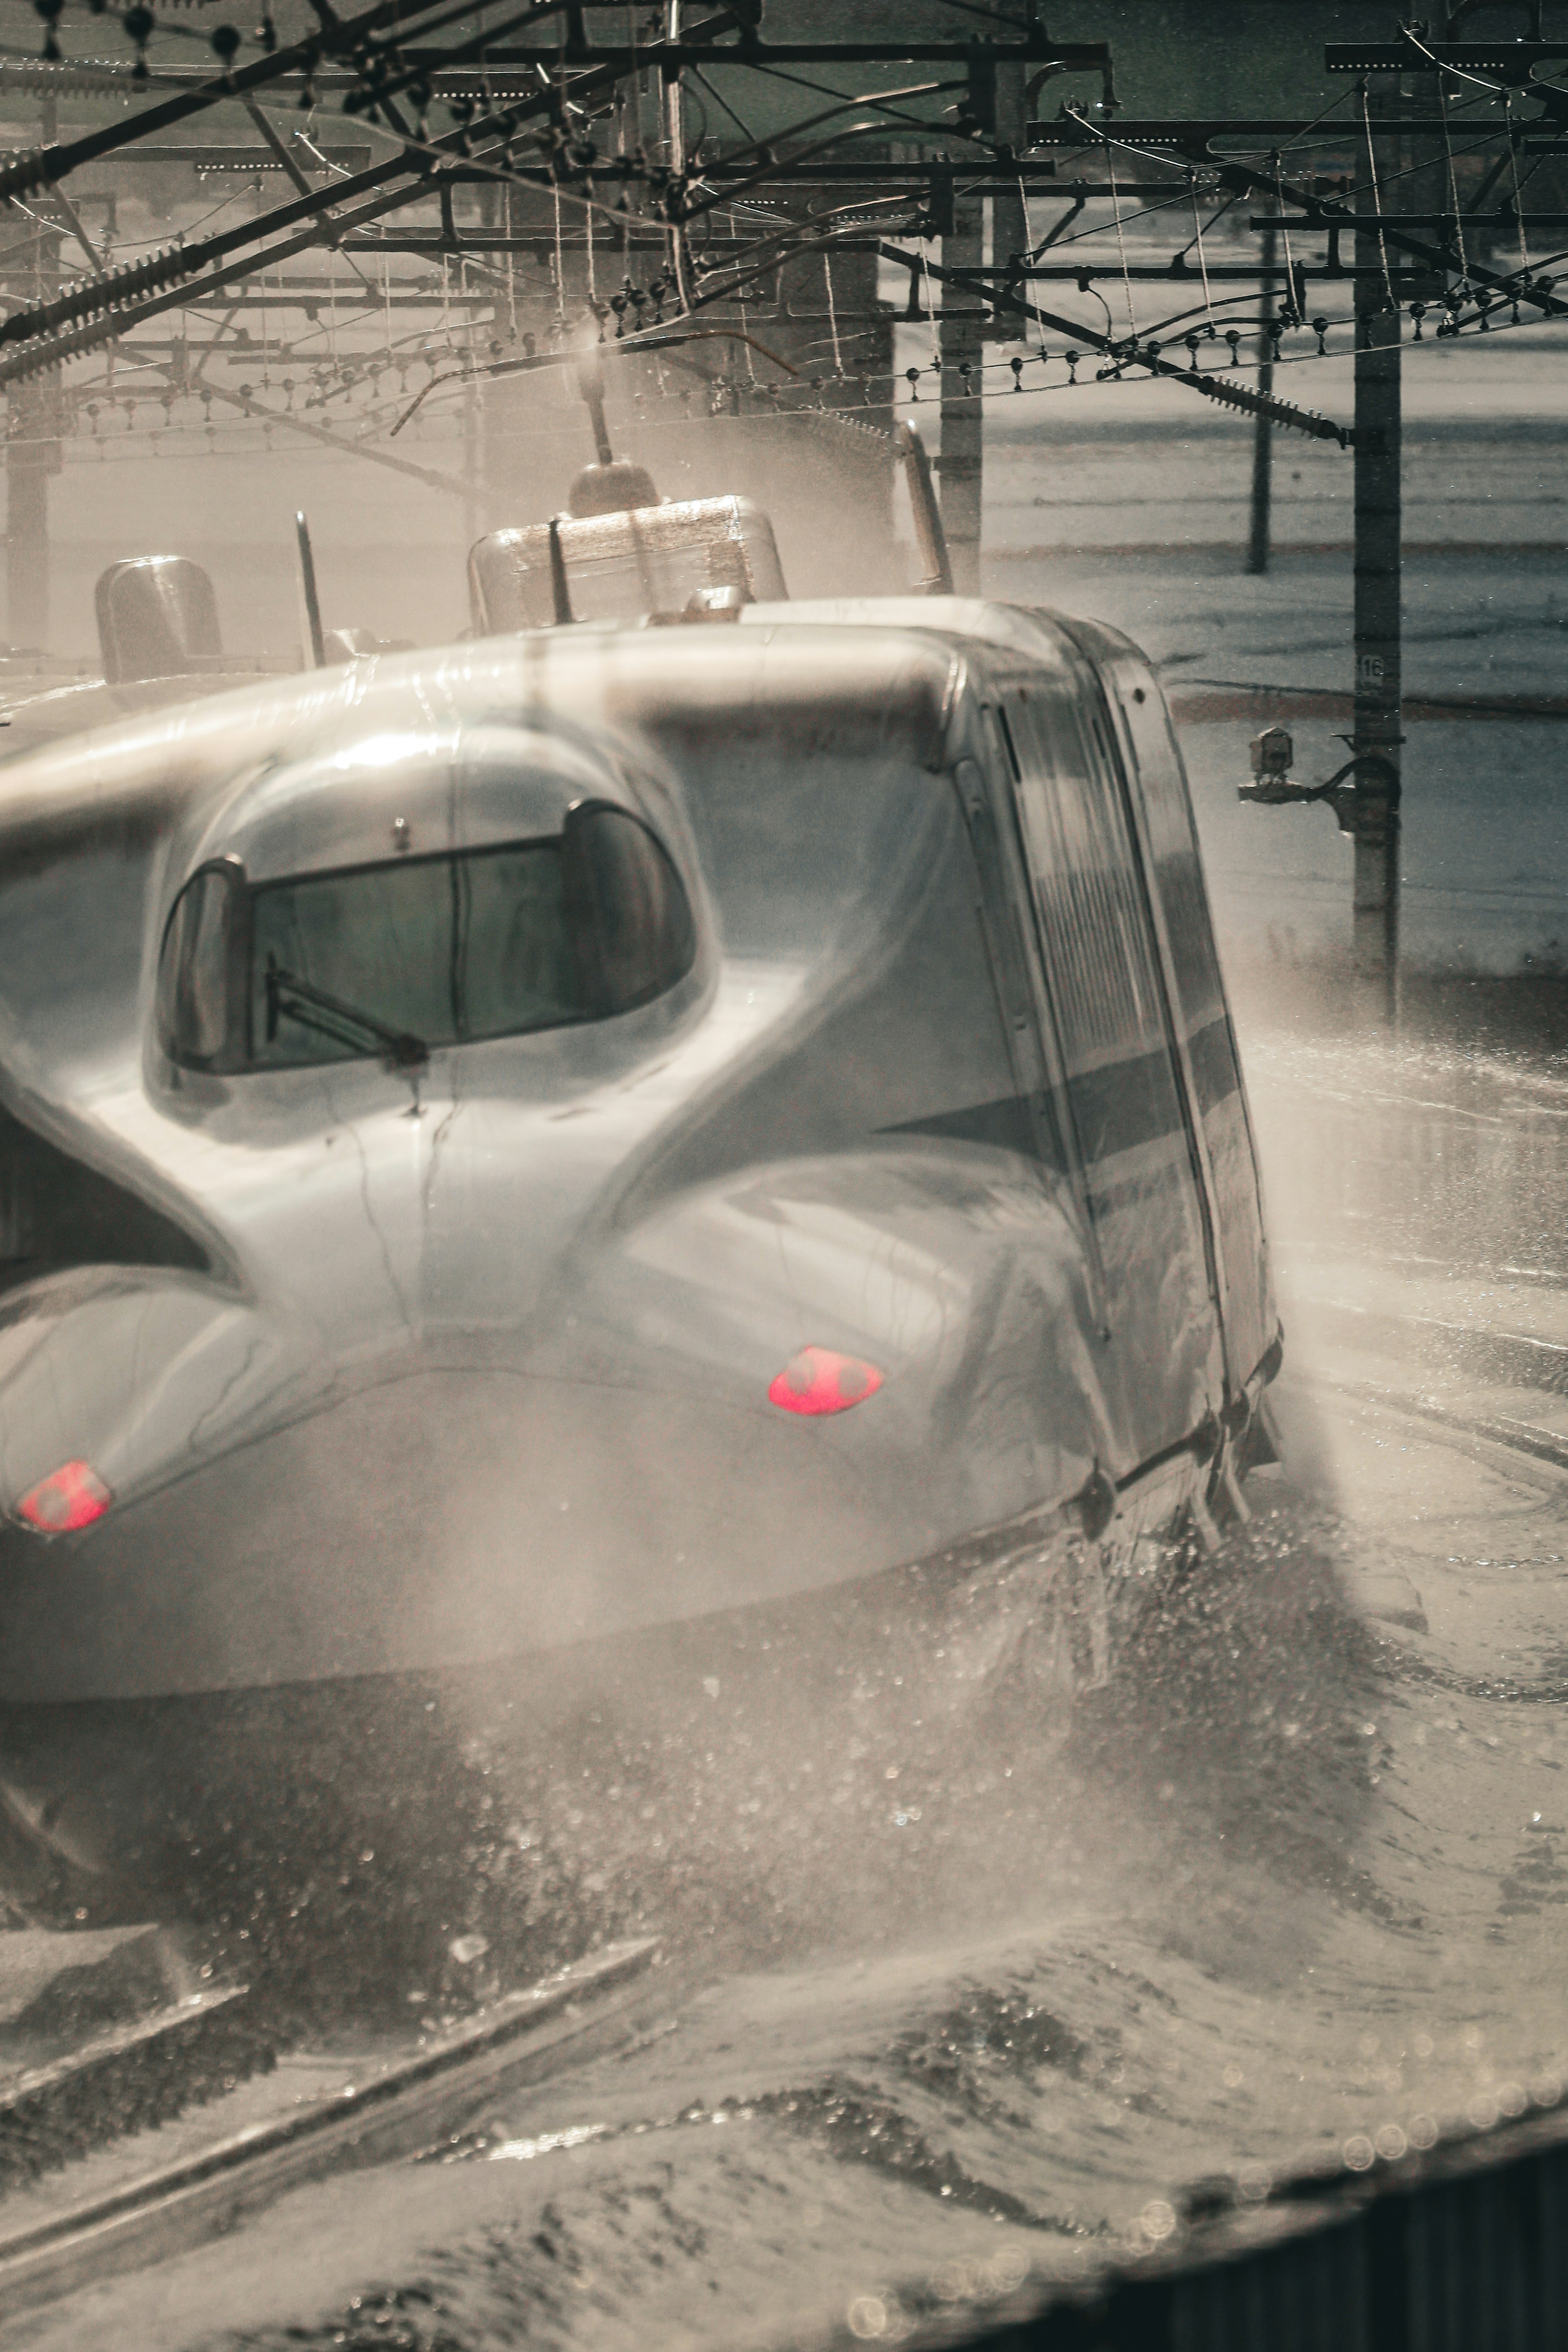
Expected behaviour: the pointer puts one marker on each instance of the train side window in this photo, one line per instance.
(1093, 928)
(1085, 883)
(195, 997)
(1177, 871)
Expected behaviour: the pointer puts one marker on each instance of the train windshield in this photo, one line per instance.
(440, 948)
(416, 952)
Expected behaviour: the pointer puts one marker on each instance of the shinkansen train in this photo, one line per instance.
(610, 1126)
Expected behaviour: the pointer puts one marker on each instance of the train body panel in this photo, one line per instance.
(508, 1084)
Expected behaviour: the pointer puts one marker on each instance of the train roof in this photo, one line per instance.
(867, 674)
(1027, 630)
(890, 660)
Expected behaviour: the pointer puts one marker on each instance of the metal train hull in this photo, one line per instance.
(393, 1365)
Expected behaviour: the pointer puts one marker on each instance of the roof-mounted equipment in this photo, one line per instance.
(936, 579)
(157, 618)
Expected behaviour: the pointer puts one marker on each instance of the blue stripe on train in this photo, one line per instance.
(1115, 1109)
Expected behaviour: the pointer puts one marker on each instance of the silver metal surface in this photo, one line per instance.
(408, 2101)
(402, 1366)
(157, 618)
(623, 564)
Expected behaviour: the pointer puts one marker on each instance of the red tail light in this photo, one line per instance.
(71, 1496)
(819, 1380)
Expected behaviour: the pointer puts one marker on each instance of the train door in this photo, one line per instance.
(1124, 1100)
(1162, 810)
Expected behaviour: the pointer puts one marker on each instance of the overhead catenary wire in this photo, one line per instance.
(1517, 206)
(48, 164)
(931, 308)
(1121, 246)
(764, 418)
(1202, 258)
(1075, 330)
(1376, 198)
(833, 317)
(1324, 211)
(795, 233)
(1291, 307)
(1453, 183)
(493, 166)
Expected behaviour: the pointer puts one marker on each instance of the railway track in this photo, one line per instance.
(134, 2214)
(411, 2102)
(1519, 1437)
(417, 2099)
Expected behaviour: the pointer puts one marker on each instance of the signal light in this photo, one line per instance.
(71, 1496)
(819, 1380)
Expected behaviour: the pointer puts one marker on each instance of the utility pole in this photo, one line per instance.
(33, 454)
(472, 417)
(28, 455)
(962, 329)
(960, 349)
(1009, 215)
(1262, 431)
(1009, 227)
(1378, 733)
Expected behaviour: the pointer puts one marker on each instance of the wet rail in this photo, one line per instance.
(410, 2102)
(1519, 1437)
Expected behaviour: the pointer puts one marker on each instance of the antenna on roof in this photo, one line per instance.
(560, 587)
(612, 485)
(930, 537)
(308, 595)
(590, 383)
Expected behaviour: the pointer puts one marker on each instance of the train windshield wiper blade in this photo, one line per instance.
(293, 999)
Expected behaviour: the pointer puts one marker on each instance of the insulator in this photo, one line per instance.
(100, 294)
(28, 175)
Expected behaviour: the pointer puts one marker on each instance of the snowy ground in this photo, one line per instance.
(1129, 502)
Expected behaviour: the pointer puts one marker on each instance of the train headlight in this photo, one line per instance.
(821, 1381)
(70, 1497)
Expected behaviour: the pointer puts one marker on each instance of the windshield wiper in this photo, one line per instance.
(290, 998)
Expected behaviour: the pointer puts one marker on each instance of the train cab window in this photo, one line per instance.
(416, 952)
(195, 968)
(634, 921)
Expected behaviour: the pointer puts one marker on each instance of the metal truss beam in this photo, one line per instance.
(51, 163)
(1036, 48)
(249, 158)
(594, 61)
(1442, 223)
(1320, 211)
(1267, 130)
(1511, 60)
(1181, 273)
(134, 293)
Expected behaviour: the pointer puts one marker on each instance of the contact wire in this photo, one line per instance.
(1376, 198)
(1518, 201)
(1453, 179)
(1121, 246)
(1202, 260)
